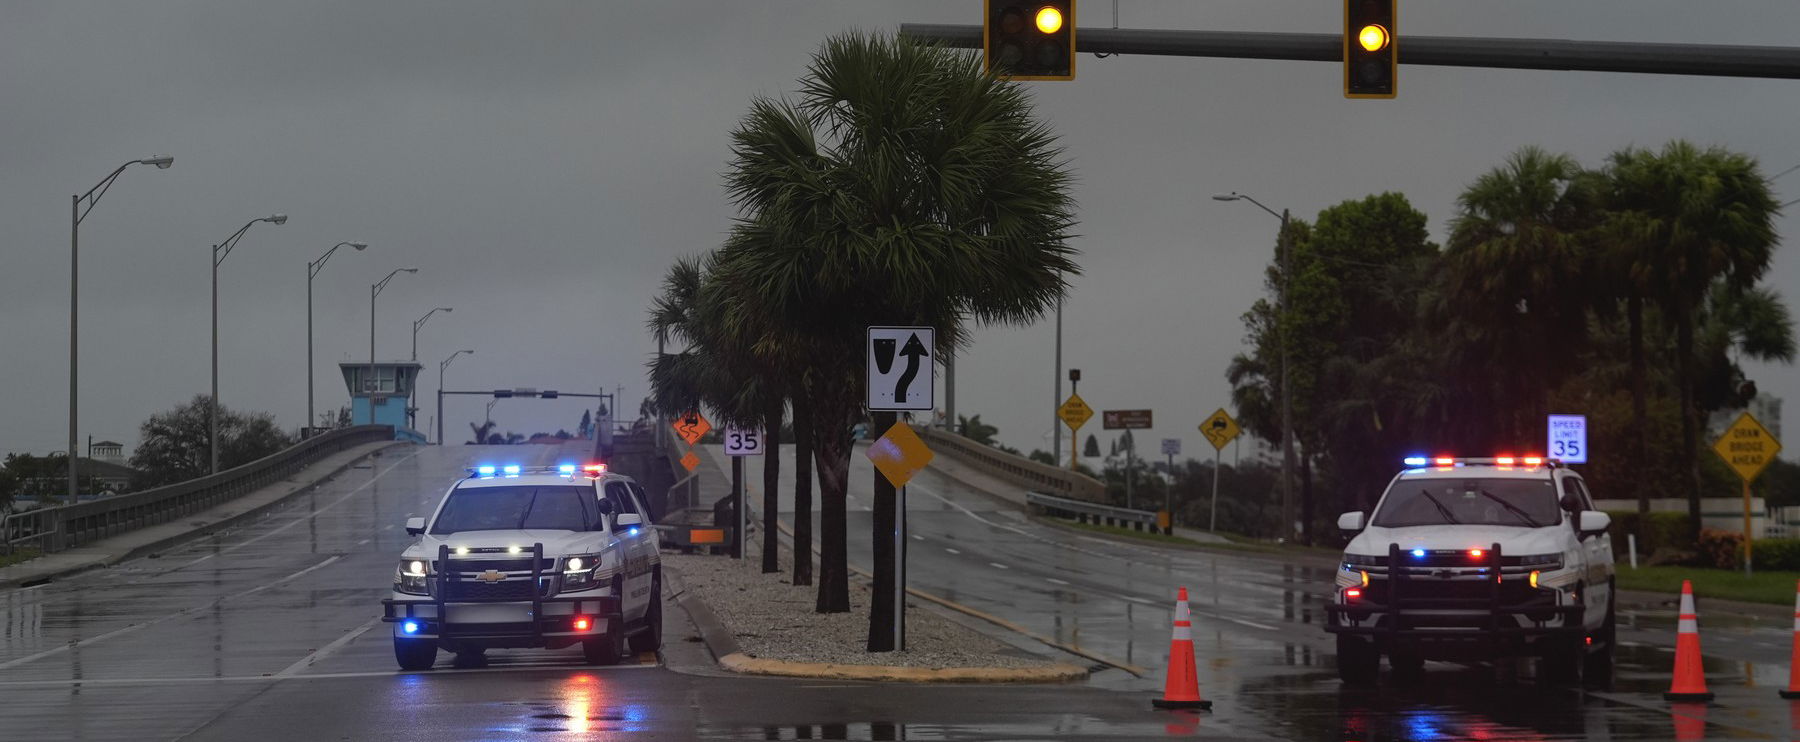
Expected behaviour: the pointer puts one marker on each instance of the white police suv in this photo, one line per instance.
(530, 557)
(1469, 559)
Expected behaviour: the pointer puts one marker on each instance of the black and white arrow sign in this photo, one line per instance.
(901, 361)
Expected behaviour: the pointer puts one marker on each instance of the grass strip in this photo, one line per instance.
(1775, 588)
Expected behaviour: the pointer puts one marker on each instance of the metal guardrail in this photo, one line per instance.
(68, 526)
(1025, 473)
(1104, 514)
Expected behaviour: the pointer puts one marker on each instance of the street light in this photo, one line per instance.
(440, 392)
(420, 322)
(312, 271)
(220, 252)
(76, 214)
(374, 291)
(1287, 408)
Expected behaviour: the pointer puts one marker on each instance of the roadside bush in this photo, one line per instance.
(1721, 549)
(1777, 554)
(1662, 530)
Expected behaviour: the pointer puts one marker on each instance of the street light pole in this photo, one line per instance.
(369, 380)
(1287, 409)
(421, 323)
(440, 392)
(76, 214)
(219, 253)
(312, 271)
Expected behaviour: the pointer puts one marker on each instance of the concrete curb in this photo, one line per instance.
(724, 647)
(193, 533)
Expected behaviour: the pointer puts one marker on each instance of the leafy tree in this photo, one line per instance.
(1091, 449)
(1043, 457)
(175, 445)
(513, 439)
(587, 423)
(974, 429)
(563, 435)
(482, 432)
(903, 186)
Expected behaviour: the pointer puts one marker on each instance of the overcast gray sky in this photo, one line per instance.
(542, 163)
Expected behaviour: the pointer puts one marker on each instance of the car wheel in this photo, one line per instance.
(1357, 660)
(650, 639)
(1562, 662)
(415, 654)
(607, 648)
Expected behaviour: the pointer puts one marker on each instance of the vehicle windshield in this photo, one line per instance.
(549, 507)
(1494, 502)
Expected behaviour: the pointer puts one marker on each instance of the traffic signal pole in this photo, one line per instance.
(1716, 60)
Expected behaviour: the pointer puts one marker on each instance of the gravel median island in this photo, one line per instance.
(773, 619)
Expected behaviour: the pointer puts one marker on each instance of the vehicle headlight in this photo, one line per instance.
(413, 577)
(1544, 562)
(1359, 560)
(580, 572)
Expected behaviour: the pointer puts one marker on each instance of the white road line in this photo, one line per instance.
(997, 565)
(155, 621)
(917, 537)
(953, 551)
(314, 514)
(1054, 581)
(578, 668)
(364, 541)
(1251, 624)
(325, 651)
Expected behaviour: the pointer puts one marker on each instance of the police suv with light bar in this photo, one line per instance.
(535, 557)
(1469, 559)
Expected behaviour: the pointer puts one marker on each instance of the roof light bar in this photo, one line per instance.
(1414, 461)
(565, 469)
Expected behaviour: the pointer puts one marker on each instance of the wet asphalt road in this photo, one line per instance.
(268, 632)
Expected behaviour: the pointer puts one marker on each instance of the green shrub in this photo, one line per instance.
(1721, 549)
(1662, 529)
(1777, 554)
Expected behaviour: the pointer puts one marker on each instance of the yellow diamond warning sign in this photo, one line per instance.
(1747, 446)
(1074, 412)
(899, 454)
(1219, 429)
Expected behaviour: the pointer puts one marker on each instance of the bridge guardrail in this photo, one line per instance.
(68, 526)
(1018, 470)
(1083, 510)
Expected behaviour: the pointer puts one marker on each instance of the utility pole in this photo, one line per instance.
(1056, 423)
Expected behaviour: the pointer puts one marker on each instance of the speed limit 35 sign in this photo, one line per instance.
(1568, 439)
(743, 441)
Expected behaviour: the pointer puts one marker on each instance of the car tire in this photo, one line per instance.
(415, 655)
(607, 648)
(1599, 661)
(1358, 662)
(1562, 661)
(650, 639)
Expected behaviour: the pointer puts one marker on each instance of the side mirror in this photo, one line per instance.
(1592, 521)
(628, 520)
(1352, 522)
(415, 526)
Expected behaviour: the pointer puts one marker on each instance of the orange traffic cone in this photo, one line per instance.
(1181, 689)
(1793, 689)
(1689, 683)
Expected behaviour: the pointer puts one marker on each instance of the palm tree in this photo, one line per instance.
(1518, 258)
(1681, 219)
(903, 186)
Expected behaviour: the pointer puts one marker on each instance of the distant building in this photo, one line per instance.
(1766, 408)
(108, 451)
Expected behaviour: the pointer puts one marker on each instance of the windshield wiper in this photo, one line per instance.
(1511, 508)
(1444, 511)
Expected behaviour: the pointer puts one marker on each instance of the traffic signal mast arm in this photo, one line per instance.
(1779, 62)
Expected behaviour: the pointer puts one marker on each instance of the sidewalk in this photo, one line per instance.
(109, 551)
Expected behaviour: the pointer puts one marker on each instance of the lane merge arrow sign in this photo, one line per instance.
(901, 365)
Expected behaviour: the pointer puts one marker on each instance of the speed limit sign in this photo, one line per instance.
(743, 441)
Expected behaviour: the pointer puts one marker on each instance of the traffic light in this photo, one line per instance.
(1371, 35)
(503, 393)
(1029, 40)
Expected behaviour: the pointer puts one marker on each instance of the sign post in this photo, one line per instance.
(1126, 420)
(741, 442)
(1748, 448)
(901, 369)
(1166, 519)
(1219, 430)
(1568, 439)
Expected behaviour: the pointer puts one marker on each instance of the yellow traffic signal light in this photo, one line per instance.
(1029, 39)
(1371, 59)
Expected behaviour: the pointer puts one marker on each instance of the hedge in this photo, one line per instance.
(1663, 529)
(1776, 554)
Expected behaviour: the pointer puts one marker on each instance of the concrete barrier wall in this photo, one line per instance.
(1018, 470)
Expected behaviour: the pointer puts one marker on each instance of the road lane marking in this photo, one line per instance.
(298, 521)
(327, 650)
(576, 667)
(1054, 581)
(917, 537)
(364, 541)
(1251, 624)
(997, 565)
(147, 624)
(953, 551)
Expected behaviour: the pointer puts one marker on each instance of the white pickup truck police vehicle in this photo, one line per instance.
(1472, 559)
(530, 557)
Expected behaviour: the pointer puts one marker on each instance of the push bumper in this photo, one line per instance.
(538, 621)
(1410, 609)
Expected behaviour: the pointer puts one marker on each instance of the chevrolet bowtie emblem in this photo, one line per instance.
(490, 576)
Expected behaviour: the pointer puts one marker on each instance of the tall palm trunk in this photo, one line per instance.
(803, 490)
(771, 561)
(831, 451)
(1690, 459)
(1306, 497)
(1640, 413)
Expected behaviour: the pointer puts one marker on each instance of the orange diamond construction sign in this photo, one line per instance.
(899, 454)
(691, 426)
(690, 461)
(1747, 447)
